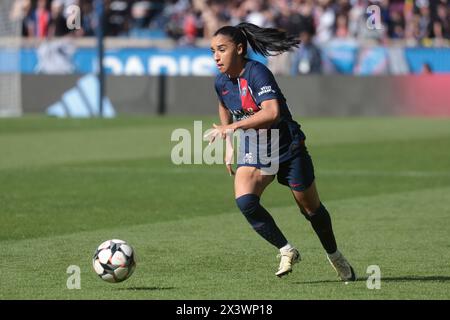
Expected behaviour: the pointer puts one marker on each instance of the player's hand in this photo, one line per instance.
(223, 130)
(211, 135)
(218, 131)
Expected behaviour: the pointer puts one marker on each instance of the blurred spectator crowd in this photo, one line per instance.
(418, 22)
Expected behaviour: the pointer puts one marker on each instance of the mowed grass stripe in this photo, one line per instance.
(220, 257)
(54, 148)
(85, 195)
(59, 141)
(39, 124)
(372, 128)
(57, 201)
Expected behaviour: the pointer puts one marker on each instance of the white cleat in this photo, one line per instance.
(288, 258)
(343, 269)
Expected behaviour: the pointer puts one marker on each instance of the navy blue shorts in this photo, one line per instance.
(297, 173)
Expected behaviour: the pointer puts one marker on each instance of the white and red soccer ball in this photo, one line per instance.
(114, 260)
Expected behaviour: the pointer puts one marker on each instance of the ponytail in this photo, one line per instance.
(265, 41)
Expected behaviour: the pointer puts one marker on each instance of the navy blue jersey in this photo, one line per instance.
(243, 96)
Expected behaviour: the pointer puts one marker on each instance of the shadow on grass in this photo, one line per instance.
(388, 279)
(416, 278)
(147, 288)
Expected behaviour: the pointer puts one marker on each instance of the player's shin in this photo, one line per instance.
(261, 220)
(321, 223)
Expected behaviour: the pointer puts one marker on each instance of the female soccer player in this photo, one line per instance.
(249, 95)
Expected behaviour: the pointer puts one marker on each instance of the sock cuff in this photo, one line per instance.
(319, 211)
(248, 196)
(286, 247)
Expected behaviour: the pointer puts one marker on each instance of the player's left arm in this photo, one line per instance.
(264, 87)
(263, 119)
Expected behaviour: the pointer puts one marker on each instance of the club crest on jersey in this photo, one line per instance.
(244, 91)
(248, 158)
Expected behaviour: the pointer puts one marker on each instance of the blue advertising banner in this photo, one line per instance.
(438, 59)
(342, 57)
(372, 61)
(339, 57)
(9, 62)
(59, 58)
(132, 61)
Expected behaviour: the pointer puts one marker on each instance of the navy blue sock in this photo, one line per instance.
(321, 223)
(261, 220)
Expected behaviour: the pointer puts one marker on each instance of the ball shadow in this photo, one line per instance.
(147, 288)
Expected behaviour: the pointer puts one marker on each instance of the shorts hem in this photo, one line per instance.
(300, 188)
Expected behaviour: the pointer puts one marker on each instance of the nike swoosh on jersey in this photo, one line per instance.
(225, 92)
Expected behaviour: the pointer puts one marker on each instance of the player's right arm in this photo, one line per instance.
(224, 114)
(226, 119)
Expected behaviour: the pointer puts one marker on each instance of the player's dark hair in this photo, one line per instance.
(265, 41)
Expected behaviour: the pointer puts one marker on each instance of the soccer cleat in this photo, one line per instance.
(288, 258)
(343, 269)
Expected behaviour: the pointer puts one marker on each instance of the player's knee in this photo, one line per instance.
(248, 204)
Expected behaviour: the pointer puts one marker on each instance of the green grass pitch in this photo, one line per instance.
(68, 185)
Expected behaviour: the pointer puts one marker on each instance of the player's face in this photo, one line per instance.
(225, 53)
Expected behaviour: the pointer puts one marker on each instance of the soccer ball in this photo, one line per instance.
(114, 260)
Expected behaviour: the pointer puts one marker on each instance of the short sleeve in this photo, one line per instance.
(263, 84)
